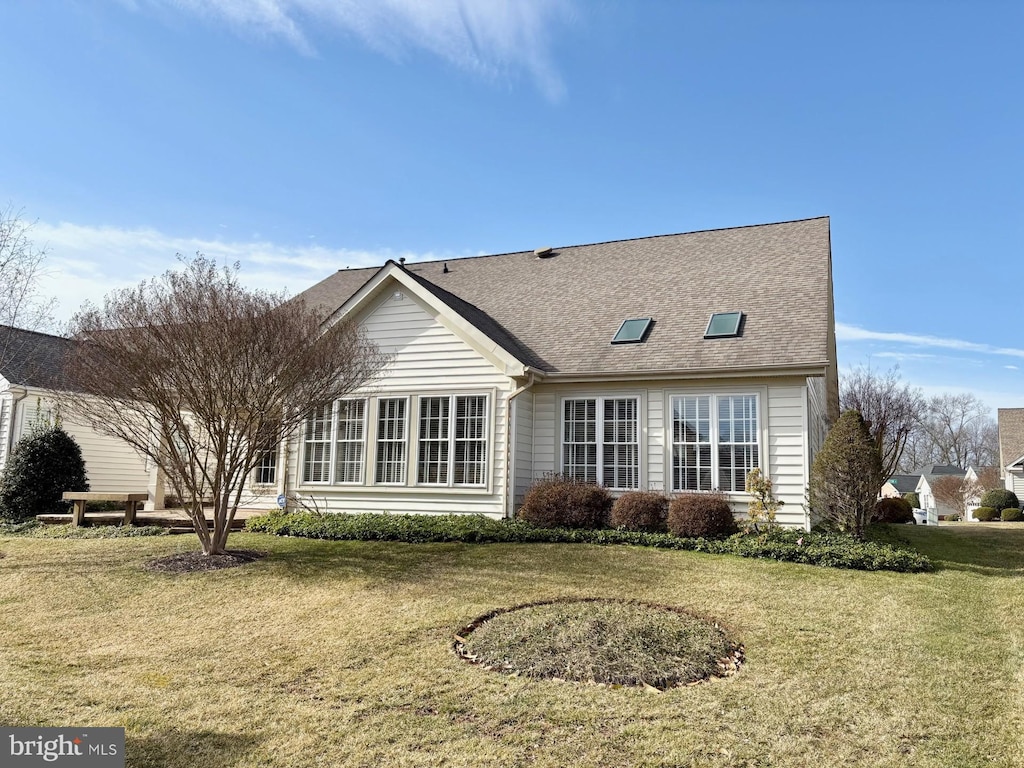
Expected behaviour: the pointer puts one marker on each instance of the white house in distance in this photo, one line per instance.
(1011, 449)
(927, 476)
(677, 362)
(30, 375)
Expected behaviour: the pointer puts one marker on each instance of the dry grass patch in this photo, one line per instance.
(615, 642)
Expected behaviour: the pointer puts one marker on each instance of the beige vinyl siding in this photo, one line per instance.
(427, 358)
(786, 418)
(522, 452)
(545, 433)
(5, 425)
(1015, 483)
(817, 416)
(655, 434)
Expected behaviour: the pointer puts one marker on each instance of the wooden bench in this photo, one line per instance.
(131, 504)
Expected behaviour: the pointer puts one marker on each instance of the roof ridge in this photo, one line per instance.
(604, 242)
(35, 333)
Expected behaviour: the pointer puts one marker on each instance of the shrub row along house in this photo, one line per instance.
(676, 363)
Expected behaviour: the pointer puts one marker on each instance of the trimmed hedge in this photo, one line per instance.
(1000, 498)
(1011, 515)
(557, 501)
(695, 515)
(984, 514)
(641, 511)
(830, 550)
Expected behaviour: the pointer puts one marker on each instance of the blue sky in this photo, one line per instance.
(303, 136)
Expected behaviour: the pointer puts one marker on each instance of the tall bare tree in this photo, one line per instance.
(961, 431)
(201, 376)
(891, 408)
(20, 269)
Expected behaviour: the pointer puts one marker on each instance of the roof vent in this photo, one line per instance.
(544, 253)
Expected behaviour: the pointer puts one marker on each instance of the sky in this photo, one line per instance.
(298, 137)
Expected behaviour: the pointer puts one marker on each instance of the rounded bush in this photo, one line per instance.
(893, 510)
(984, 514)
(913, 499)
(557, 501)
(1000, 498)
(44, 464)
(1011, 515)
(704, 515)
(641, 511)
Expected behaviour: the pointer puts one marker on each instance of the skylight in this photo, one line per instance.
(632, 331)
(723, 325)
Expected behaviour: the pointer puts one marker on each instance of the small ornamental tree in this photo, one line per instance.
(44, 463)
(763, 505)
(844, 476)
(955, 492)
(201, 376)
(913, 499)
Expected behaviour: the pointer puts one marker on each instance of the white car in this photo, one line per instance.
(920, 516)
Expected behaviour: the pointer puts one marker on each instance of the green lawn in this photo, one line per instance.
(337, 654)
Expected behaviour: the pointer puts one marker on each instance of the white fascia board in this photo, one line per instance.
(1019, 461)
(497, 355)
(687, 373)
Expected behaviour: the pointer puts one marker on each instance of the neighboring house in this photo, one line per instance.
(1011, 449)
(898, 486)
(28, 379)
(678, 363)
(928, 474)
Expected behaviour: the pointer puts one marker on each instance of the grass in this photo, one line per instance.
(337, 653)
(599, 641)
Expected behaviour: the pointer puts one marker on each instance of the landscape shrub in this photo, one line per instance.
(1011, 515)
(557, 501)
(893, 510)
(1000, 498)
(701, 515)
(984, 514)
(913, 499)
(845, 476)
(44, 463)
(641, 511)
(833, 550)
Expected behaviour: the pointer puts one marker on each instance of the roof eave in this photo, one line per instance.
(732, 372)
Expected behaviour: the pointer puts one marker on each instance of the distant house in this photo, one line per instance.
(678, 363)
(1011, 449)
(30, 374)
(927, 477)
(899, 486)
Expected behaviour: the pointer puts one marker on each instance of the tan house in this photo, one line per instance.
(678, 362)
(29, 376)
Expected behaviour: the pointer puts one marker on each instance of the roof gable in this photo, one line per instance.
(559, 313)
(1011, 436)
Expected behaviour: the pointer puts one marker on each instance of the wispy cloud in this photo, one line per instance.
(85, 263)
(851, 333)
(491, 38)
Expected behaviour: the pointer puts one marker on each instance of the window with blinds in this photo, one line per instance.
(391, 440)
(452, 440)
(601, 441)
(716, 441)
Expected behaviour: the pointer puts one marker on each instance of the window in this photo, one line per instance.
(348, 447)
(600, 441)
(266, 469)
(632, 331)
(452, 440)
(316, 465)
(391, 439)
(715, 441)
(723, 325)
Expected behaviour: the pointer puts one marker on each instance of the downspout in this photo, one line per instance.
(509, 439)
(14, 414)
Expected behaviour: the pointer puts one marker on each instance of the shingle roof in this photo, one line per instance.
(1011, 434)
(33, 359)
(931, 471)
(904, 483)
(559, 313)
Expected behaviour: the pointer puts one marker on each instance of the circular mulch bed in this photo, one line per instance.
(192, 562)
(601, 641)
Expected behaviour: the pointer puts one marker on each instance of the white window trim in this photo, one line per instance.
(761, 398)
(452, 414)
(641, 431)
(406, 440)
(332, 447)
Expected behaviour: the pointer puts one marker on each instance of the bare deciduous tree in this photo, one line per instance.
(961, 431)
(955, 492)
(201, 376)
(891, 408)
(20, 269)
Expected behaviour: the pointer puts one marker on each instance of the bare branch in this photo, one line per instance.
(20, 269)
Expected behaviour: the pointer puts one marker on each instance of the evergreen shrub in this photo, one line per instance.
(44, 463)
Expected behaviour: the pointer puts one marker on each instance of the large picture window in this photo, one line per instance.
(715, 441)
(452, 440)
(601, 441)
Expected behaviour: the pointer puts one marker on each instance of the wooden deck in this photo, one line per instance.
(175, 519)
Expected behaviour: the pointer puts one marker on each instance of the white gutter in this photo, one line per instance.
(797, 369)
(510, 493)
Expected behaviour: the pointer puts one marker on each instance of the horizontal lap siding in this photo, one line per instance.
(656, 451)
(545, 434)
(5, 425)
(523, 459)
(426, 357)
(786, 453)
